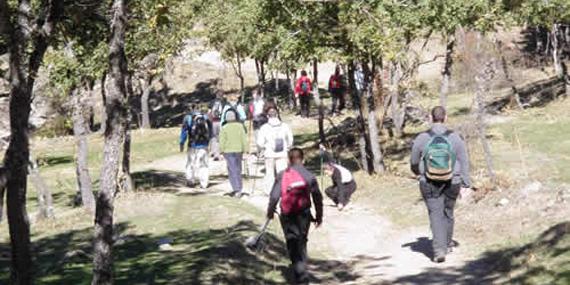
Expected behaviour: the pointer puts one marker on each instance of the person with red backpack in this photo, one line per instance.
(295, 186)
(303, 91)
(439, 157)
(336, 89)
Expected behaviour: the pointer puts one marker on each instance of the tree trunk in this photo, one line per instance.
(239, 74)
(398, 113)
(276, 81)
(104, 100)
(21, 35)
(126, 178)
(556, 51)
(377, 158)
(515, 99)
(45, 199)
(80, 132)
(483, 81)
(147, 88)
(3, 179)
(116, 108)
(321, 109)
(446, 73)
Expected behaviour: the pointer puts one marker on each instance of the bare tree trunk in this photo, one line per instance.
(126, 178)
(398, 113)
(116, 110)
(555, 50)
(322, 136)
(23, 35)
(446, 72)
(147, 88)
(515, 99)
(82, 151)
(3, 179)
(483, 81)
(276, 81)
(45, 199)
(377, 158)
(104, 100)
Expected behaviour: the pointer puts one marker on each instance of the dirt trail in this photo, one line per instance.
(375, 250)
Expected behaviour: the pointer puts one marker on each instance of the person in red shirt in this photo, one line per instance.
(336, 89)
(303, 91)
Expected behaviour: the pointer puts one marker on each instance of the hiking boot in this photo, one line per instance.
(439, 259)
(190, 183)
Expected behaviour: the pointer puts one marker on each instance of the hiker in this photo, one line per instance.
(256, 109)
(215, 115)
(274, 141)
(294, 187)
(197, 129)
(343, 182)
(303, 91)
(440, 159)
(233, 104)
(233, 144)
(336, 89)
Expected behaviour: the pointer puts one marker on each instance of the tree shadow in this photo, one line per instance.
(213, 256)
(543, 261)
(167, 181)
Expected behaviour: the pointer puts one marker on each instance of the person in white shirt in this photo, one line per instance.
(274, 140)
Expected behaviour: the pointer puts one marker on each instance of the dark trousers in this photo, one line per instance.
(337, 99)
(296, 229)
(233, 161)
(440, 200)
(341, 195)
(305, 101)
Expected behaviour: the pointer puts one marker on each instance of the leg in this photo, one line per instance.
(239, 158)
(342, 101)
(231, 164)
(435, 203)
(296, 228)
(346, 192)
(189, 167)
(214, 142)
(450, 197)
(203, 168)
(332, 193)
(334, 96)
(269, 174)
(280, 164)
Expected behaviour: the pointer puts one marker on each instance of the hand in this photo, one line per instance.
(464, 193)
(269, 215)
(318, 222)
(322, 147)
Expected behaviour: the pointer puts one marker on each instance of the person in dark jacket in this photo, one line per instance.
(440, 196)
(343, 184)
(295, 186)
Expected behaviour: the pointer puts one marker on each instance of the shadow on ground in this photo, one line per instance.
(167, 181)
(544, 261)
(215, 256)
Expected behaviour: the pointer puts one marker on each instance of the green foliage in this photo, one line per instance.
(542, 13)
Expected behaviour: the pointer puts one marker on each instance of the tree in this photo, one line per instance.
(116, 108)
(27, 31)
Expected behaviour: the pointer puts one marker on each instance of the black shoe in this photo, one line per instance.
(230, 194)
(439, 259)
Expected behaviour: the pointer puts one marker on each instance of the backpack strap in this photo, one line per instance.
(432, 134)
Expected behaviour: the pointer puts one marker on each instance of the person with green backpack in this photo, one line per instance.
(439, 157)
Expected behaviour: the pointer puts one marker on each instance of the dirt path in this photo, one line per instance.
(373, 248)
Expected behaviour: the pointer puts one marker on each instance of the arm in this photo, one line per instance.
(261, 138)
(223, 140)
(463, 160)
(183, 134)
(274, 197)
(244, 142)
(317, 200)
(416, 156)
(290, 138)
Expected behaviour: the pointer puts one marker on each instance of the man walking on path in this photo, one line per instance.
(336, 89)
(215, 115)
(233, 144)
(295, 187)
(440, 159)
(197, 129)
(274, 140)
(303, 91)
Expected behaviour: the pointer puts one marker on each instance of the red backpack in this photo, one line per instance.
(295, 193)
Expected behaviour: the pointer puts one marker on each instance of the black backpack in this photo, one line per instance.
(231, 109)
(199, 131)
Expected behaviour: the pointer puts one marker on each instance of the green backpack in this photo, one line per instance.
(439, 157)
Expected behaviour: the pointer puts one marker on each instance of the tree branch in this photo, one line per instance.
(42, 35)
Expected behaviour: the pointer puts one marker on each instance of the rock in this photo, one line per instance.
(503, 202)
(531, 188)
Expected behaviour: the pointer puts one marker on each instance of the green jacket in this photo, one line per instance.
(233, 138)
